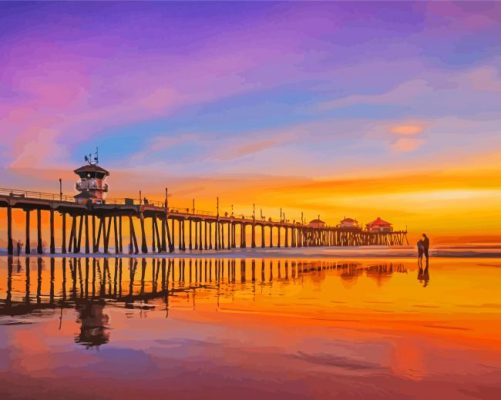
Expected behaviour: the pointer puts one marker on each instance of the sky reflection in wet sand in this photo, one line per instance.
(271, 328)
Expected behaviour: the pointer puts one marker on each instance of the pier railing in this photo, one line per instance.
(15, 193)
(155, 204)
(126, 201)
(158, 204)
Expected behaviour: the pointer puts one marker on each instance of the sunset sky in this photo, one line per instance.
(338, 109)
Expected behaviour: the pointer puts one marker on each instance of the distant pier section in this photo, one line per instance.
(91, 224)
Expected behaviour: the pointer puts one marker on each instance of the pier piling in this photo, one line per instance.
(202, 231)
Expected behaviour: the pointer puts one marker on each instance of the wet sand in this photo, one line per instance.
(276, 328)
(367, 252)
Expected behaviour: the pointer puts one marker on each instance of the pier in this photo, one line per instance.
(92, 224)
(157, 228)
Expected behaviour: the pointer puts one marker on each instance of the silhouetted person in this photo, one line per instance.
(420, 248)
(19, 245)
(426, 243)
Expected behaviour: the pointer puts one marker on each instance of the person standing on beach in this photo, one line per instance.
(426, 243)
(420, 248)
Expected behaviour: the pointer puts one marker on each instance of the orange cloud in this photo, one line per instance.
(407, 129)
(406, 144)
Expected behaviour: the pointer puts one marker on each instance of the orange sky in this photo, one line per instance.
(451, 205)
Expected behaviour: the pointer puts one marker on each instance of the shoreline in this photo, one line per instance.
(301, 253)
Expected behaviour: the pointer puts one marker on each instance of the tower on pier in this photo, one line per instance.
(92, 185)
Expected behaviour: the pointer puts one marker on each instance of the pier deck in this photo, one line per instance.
(90, 228)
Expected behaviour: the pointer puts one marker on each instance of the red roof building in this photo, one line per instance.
(379, 225)
(349, 224)
(317, 223)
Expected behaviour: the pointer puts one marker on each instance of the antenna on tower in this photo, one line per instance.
(92, 160)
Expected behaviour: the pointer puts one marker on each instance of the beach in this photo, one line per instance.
(488, 250)
(276, 327)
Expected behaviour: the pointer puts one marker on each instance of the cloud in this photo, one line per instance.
(76, 97)
(450, 93)
(253, 143)
(43, 149)
(407, 129)
(324, 133)
(165, 142)
(160, 99)
(401, 93)
(463, 16)
(485, 79)
(406, 144)
(408, 137)
(162, 143)
(251, 148)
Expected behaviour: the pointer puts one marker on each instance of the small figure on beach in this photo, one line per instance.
(420, 248)
(19, 245)
(426, 243)
(423, 246)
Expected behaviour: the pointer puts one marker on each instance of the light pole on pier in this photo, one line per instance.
(60, 189)
(193, 206)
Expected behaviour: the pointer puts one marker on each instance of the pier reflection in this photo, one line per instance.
(94, 329)
(40, 286)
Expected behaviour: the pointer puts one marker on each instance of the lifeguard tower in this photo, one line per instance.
(92, 185)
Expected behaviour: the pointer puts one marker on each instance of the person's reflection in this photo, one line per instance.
(8, 300)
(94, 330)
(424, 274)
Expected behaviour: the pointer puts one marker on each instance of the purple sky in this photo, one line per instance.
(313, 90)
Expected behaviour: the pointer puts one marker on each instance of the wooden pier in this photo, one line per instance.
(105, 228)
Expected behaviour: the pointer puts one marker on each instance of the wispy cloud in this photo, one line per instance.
(401, 93)
(407, 129)
(162, 144)
(408, 136)
(406, 144)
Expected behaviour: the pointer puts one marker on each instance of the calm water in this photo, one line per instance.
(273, 328)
